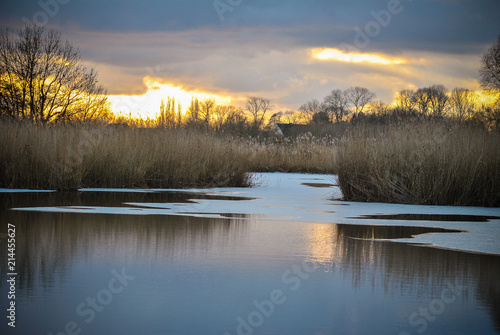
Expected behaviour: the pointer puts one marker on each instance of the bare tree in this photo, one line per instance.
(489, 72)
(226, 117)
(335, 104)
(193, 111)
(438, 99)
(359, 97)
(432, 100)
(405, 100)
(309, 109)
(258, 107)
(379, 108)
(43, 78)
(207, 109)
(422, 101)
(462, 102)
(320, 118)
(169, 116)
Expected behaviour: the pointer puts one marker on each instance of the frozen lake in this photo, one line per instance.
(279, 258)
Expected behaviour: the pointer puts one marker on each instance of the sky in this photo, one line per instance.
(287, 51)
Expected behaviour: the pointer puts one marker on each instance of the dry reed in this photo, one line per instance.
(425, 162)
(303, 153)
(70, 157)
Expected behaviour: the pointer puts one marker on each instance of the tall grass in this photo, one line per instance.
(422, 162)
(433, 162)
(70, 157)
(303, 153)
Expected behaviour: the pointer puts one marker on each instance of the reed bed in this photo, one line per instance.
(68, 157)
(303, 153)
(433, 162)
(425, 162)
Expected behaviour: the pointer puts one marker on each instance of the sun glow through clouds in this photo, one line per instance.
(331, 54)
(147, 105)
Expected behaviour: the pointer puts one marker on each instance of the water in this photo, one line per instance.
(273, 265)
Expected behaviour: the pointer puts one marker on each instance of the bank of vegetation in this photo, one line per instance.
(432, 162)
(70, 156)
(429, 146)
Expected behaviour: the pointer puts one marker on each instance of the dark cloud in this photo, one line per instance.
(451, 25)
(262, 45)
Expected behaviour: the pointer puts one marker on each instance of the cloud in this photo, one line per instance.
(256, 61)
(264, 47)
(332, 54)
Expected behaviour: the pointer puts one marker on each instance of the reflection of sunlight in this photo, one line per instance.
(148, 104)
(354, 57)
(322, 248)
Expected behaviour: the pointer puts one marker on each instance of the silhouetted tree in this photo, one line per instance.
(169, 115)
(226, 117)
(462, 103)
(379, 108)
(405, 101)
(207, 109)
(44, 80)
(336, 105)
(309, 109)
(258, 107)
(359, 97)
(320, 118)
(489, 72)
(193, 111)
(439, 99)
(432, 100)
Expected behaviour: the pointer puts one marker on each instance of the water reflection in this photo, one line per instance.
(238, 258)
(49, 243)
(402, 269)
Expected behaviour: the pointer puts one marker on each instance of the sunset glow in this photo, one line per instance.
(147, 105)
(330, 54)
(487, 98)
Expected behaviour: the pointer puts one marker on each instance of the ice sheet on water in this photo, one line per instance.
(284, 196)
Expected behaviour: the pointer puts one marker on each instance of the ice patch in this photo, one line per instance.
(284, 197)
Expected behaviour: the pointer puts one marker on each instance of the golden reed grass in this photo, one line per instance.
(424, 162)
(68, 157)
(303, 153)
(419, 162)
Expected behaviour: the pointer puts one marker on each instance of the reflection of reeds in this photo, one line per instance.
(431, 162)
(47, 244)
(402, 269)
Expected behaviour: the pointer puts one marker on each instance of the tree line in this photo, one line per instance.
(206, 114)
(42, 79)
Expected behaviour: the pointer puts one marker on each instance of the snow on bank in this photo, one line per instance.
(307, 198)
